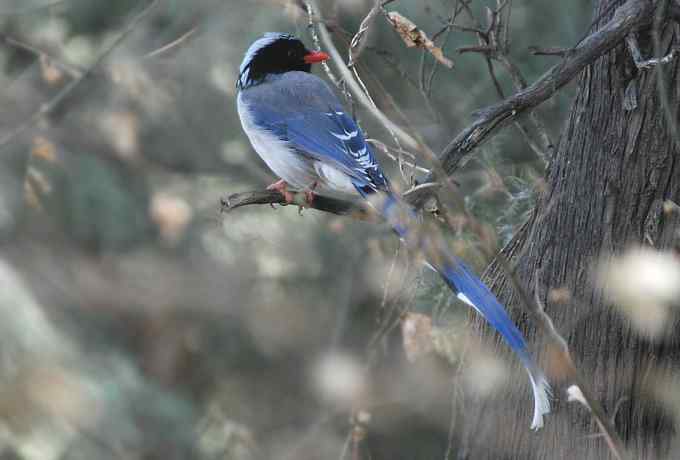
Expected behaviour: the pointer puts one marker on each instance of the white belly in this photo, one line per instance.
(298, 171)
(287, 164)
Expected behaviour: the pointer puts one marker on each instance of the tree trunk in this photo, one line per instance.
(604, 190)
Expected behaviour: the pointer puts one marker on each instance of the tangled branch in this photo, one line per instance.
(627, 18)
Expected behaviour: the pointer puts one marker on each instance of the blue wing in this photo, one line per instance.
(301, 110)
(330, 137)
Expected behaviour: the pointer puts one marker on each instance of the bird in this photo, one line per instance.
(299, 128)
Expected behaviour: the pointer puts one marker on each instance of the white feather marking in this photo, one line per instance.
(541, 389)
(465, 299)
(334, 179)
(347, 136)
(539, 384)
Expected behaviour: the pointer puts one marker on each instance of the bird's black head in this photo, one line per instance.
(275, 53)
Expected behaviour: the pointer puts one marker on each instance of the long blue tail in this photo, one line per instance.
(470, 289)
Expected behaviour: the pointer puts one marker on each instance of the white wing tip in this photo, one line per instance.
(542, 393)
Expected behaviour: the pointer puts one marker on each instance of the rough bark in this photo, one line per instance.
(604, 190)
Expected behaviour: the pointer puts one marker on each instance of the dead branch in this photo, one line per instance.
(66, 91)
(73, 70)
(549, 51)
(31, 9)
(357, 92)
(494, 45)
(173, 44)
(358, 210)
(628, 17)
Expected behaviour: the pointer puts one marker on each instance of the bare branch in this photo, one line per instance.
(548, 51)
(484, 49)
(52, 104)
(494, 44)
(73, 70)
(627, 17)
(173, 44)
(358, 210)
(357, 92)
(31, 9)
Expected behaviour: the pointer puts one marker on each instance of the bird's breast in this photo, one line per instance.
(283, 160)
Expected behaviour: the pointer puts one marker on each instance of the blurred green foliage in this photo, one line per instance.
(199, 334)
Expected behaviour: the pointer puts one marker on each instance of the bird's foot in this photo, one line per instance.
(309, 194)
(281, 186)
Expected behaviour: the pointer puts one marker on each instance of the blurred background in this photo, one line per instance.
(140, 322)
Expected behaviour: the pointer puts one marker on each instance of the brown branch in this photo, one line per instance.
(549, 51)
(173, 44)
(628, 17)
(31, 9)
(356, 209)
(353, 85)
(73, 70)
(484, 49)
(66, 91)
(494, 44)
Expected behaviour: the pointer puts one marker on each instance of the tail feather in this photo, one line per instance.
(470, 289)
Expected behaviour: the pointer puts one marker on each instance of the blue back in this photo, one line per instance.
(301, 109)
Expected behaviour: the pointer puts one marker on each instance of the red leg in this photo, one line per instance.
(309, 194)
(281, 186)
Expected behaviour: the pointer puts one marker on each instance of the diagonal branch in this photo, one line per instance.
(357, 92)
(66, 91)
(358, 209)
(628, 17)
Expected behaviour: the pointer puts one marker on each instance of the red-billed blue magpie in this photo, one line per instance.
(298, 126)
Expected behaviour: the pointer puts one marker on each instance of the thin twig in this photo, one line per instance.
(548, 51)
(311, 19)
(73, 70)
(399, 157)
(356, 46)
(493, 44)
(357, 92)
(627, 17)
(173, 44)
(53, 103)
(356, 209)
(31, 9)
(455, 11)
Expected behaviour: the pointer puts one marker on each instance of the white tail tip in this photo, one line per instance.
(542, 393)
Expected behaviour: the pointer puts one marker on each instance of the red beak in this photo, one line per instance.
(315, 56)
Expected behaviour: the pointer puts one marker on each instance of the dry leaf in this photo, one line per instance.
(172, 215)
(122, 131)
(416, 332)
(50, 73)
(414, 37)
(43, 148)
